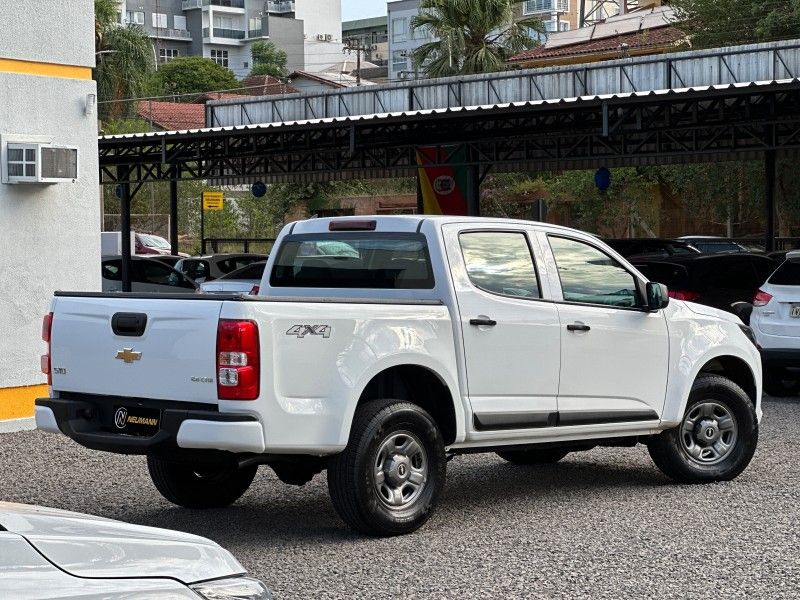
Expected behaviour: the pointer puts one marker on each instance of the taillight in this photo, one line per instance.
(761, 298)
(47, 334)
(684, 295)
(238, 360)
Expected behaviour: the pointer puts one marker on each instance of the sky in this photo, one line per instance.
(362, 9)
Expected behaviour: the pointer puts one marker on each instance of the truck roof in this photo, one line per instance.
(406, 223)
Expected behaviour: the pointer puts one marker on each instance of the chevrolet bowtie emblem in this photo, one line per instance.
(128, 355)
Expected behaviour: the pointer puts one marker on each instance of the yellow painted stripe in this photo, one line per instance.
(17, 403)
(43, 69)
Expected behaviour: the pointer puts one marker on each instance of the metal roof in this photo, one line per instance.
(533, 104)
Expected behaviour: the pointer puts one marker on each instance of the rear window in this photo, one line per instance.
(787, 274)
(673, 276)
(254, 271)
(354, 260)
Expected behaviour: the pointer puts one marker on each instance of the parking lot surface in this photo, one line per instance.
(599, 524)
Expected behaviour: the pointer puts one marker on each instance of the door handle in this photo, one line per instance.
(485, 322)
(578, 327)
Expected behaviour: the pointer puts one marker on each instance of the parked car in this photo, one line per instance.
(54, 554)
(168, 260)
(147, 275)
(242, 281)
(776, 323)
(651, 247)
(416, 339)
(717, 280)
(208, 268)
(147, 243)
(709, 244)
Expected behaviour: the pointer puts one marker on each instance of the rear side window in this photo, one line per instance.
(590, 276)
(255, 271)
(195, 269)
(153, 272)
(787, 274)
(354, 260)
(229, 265)
(500, 263)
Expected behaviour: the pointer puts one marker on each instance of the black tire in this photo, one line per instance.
(534, 456)
(781, 383)
(353, 479)
(670, 450)
(200, 486)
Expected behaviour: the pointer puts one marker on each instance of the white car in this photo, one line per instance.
(54, 554)
(776, 324)
(380, 346)
(242, 281)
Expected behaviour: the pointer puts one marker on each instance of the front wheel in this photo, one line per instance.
(197, 485)
(716, 438)
(388, 479)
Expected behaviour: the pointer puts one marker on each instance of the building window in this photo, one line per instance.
(399, 60)
(530, 7)
(180, 22)
(399, 30)
(220, 57)
(554, 26)
(135, 17)
(160, 20)
(167, 54)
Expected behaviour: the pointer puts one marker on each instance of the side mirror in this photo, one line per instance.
(657, 296)
(743, 310)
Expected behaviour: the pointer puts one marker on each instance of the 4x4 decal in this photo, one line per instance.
(302, 331)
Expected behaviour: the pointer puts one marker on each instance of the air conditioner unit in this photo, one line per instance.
(321, 37)
(39, 163)
(328, 37)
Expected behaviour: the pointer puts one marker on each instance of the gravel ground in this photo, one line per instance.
(599, 524)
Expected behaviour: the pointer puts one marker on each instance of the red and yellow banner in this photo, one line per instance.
(443, 180)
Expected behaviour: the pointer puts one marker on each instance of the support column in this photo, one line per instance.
(769, 198)
(173, 211)
(420, 197)
(125, 235)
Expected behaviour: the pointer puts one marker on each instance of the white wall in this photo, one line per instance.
(321, 17)
(49, 235)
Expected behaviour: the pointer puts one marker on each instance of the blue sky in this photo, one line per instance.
(362, 9)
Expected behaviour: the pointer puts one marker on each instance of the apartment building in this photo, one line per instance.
(309, 31)
(557, 15)
(372, 34)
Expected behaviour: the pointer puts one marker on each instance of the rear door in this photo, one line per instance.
(169, 356)
(511, 336)
(614, 354)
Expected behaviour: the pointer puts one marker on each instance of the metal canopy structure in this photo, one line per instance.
(719, 122)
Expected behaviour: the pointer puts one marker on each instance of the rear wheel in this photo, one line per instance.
(200, 486)
(780, 382)
(388, 479)
(716, 438)
(534, 456)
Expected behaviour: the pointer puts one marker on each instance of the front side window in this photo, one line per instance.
(354, 260)
(500, 263)
(590, 276)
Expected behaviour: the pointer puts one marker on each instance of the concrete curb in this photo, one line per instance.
(13, 425)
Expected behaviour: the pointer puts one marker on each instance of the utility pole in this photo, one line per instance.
(354, 45)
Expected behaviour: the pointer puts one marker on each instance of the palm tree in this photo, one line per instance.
(473, 36)
(125, 61)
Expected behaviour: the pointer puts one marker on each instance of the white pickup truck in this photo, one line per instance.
(378, 348)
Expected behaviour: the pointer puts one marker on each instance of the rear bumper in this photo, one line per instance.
(777, 358)
(90, 423)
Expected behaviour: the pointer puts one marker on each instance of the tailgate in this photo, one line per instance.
(162, 349)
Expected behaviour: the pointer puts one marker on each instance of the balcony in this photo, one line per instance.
(532, 7)
(281, 6)
(227, 34)
(235, 4)
(172, 34)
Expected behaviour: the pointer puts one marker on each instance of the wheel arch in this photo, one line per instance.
(735, 369)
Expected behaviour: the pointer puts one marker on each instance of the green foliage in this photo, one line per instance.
(194, 75)
(474, 36)
(124, 62)
(122, 126)
(268, 59)
(714, 23)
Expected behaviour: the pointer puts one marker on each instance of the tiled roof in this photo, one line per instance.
(266, 85)
(172, 116)
(648, 38)
(221, 96)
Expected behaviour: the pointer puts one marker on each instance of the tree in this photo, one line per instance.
(124, 61)
(473, 36)
(268, 59)
(195, 75)
(714, 23)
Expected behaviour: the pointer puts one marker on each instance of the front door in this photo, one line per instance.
(614, 353)
(511, 337)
